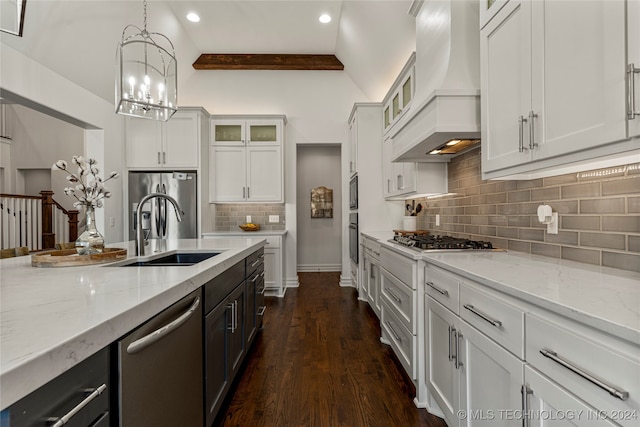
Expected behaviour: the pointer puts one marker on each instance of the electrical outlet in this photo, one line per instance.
(274, 218)
(248, 219)
(437, 220)
(112, 221)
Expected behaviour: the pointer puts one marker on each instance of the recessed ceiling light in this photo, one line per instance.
(453, 142)
(324, 18)
(193, 17)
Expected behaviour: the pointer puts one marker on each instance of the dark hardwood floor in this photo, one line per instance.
(319, 362)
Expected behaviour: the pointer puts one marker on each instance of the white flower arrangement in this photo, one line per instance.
(88, 187)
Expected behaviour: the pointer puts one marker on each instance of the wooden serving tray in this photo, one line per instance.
(70, 258)
(405, 232)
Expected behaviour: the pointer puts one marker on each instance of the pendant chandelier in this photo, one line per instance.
(146, 74)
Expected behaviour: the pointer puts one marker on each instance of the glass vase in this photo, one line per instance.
(91, 241)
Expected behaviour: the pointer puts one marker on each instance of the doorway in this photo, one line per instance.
(319, 245)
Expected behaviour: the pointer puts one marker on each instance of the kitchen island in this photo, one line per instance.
(51, 319)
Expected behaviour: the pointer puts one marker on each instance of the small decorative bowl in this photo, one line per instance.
(252, 227)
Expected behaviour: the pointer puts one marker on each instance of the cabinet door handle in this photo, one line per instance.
(631, 87)
(525, 391)
(388, 185)
(521, 121)
(248, 193)
(244, 192)
(457, 335)
(393, 331)
(93, 393)
(159, 158)
(483, 316)
(160, 333)
(437, 289)
(232, 318)
(398, 178)
(451, 329)
(393, 295)
(532, 144)
(611, 389)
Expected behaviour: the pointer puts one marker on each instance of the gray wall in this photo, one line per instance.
(319, 239)
(599, 213)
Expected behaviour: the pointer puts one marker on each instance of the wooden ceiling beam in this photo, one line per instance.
(216, 61)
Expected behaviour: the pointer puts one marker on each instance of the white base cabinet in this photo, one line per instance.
(494, 360)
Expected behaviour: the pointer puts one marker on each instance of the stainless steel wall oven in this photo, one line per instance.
(353, 237)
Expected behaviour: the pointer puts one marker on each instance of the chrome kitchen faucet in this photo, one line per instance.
(139, 231)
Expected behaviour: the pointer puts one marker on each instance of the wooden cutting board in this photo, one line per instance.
(70, 258)
(405, 232)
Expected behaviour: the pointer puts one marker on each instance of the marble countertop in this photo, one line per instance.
(604, 298)
(53, 318)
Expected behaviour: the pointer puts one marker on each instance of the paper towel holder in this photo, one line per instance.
(548, 217)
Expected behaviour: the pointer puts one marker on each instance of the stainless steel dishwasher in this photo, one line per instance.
(160, 366)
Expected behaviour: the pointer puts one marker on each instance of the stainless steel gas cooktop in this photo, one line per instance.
(426, 242)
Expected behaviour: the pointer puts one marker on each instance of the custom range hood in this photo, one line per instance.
(446, 103)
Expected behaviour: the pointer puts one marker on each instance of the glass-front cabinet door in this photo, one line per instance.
(228, 132)
(263, 132)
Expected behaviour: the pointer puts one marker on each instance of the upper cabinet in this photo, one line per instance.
(552, 96)
(246, 132)
(246, 160)
(633, 67)
(398, 100)
(353, 145)
(171, 144)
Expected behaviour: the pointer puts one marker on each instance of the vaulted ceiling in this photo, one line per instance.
(78, 38)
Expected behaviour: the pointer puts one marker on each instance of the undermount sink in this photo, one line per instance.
(175, 259)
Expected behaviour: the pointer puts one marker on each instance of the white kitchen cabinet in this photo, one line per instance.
(549, 92)
(172, 144)
(442, 374)
(246, 131)
(550, 405)
(397, 101)
(353, 145)
(488, 9)
(246, 159)
(402, 180)
(633, 67)
(371, 272)
(482, 363)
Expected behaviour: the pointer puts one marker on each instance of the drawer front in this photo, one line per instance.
(401, 298)
(401, 267)
(220, 286)
(499, 320)
(254, 262)
(575, 353)
(273, 241)
(402, 341)
(442, 287)
(371, 247)
(67, 392)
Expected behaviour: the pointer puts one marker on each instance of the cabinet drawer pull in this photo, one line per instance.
(521, 121)
(611, 389)
(255, 278)
(631, 107)
(393, 331)
(256, 262)
(262, 310)
(59, 422)
(393, 295)
(496, 323)
(263, 290)
(158, 334)
(442, 291)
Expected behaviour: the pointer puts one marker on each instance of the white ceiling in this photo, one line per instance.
(78, 38)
